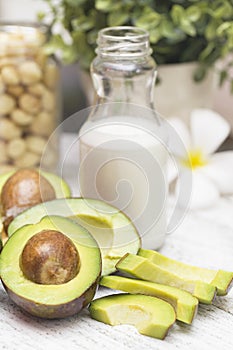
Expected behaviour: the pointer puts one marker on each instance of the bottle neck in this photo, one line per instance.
(123, 70)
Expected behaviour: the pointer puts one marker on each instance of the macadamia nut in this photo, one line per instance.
(36, 89)
(36, 144)
(10, 76)
(43, 124)
(15, 90)
(8, 130)
(7, 104)
(30, 72)
(30, 103)
(28, 159)
(51, 75)
(21, 118)
(16, 148)
(48, 101)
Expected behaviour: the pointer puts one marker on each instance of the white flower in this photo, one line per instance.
(212, 173)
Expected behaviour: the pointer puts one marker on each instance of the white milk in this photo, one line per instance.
(124, 164)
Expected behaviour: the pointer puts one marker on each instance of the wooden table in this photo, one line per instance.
(204, 238)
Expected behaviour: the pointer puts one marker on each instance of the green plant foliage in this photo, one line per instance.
(180, 30)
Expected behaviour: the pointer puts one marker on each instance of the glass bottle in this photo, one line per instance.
(123, 143)
(29, 98)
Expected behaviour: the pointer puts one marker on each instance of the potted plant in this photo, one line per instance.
(188, 37)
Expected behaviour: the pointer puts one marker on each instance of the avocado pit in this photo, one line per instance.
(49, 257)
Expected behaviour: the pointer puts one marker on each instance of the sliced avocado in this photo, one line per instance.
(151, 316)
(62, 189)
(183, 302)
(144, 269)
(221, 279)
(112, 229)
(54, 300)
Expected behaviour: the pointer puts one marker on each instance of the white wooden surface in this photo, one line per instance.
(204, 238)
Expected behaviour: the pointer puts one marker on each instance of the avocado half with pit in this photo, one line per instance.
(111, 228)
(51, 269)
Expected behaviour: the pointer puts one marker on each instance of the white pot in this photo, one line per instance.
(178, 93)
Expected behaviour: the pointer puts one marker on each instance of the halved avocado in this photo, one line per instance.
(61, 188)
(183, 302)
(144, 269)
(51, 300)
(221, 279)
(112, 229)
(151, 316)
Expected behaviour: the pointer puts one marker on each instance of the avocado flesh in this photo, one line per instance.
(51, 301)
(221, 279)
(61, 188)
(144, 269)
(151, 316)
(183, 302)
(113, 231)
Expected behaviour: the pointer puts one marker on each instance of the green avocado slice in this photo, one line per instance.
(61, 188)
(151, 316)
(144, 269)
(221, 279)
(112, 229)
(51, 301)
(183, 302)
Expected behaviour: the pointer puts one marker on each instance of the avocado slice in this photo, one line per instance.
(144, 269)
(61, 188)
(54, 300)
(221, 279)
(184, 303)
(151, 316)
(112, 229)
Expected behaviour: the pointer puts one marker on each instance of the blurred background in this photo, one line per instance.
(76, 88)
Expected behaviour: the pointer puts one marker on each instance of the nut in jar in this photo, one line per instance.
(29, 88)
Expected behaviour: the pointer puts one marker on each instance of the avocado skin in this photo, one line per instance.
(54, 311)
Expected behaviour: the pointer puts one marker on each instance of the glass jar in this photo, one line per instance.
(29, 88)
(123, 142)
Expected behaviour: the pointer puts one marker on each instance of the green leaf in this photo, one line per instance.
(41, 16)
(177, 14)
(200, 73)
(117, 18)
(148, 19)
(155, 35)
(107, 5)
(188, 27)
(224, 11)
(193, 13)
(222, 77)
(207, 51)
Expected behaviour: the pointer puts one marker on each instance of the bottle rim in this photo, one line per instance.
(123, 42)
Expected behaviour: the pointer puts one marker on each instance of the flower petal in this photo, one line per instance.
(208, 130)
(179, 137)
(204, 192)
(220, 171)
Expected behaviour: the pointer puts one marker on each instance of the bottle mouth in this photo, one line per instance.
(123, 42)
